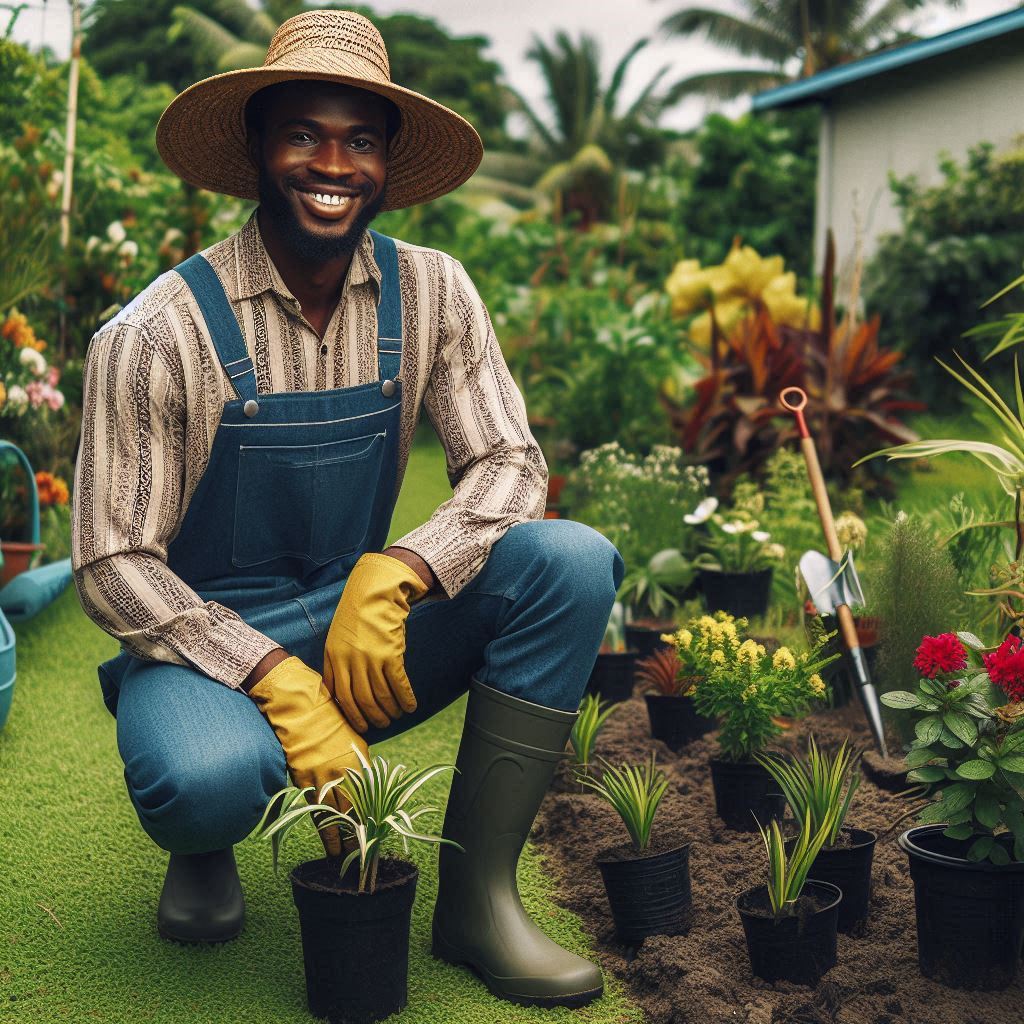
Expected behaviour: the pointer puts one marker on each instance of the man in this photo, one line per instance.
(246, 426)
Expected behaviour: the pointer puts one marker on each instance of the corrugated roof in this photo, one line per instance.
(816, 87)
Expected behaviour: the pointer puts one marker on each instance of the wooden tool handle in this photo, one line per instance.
(847, 628)
(835, 551)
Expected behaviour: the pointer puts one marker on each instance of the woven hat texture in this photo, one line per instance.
(201, 134)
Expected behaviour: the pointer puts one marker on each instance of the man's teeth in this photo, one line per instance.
(325, 200)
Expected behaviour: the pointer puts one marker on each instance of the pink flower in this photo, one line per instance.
(943, 653)
(1006, 667)
(53, 376)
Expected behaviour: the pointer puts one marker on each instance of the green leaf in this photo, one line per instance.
(947, 739)
(900, 699)
(960, 726)
(1013, 742)
(918, 756)
(980, 848)
(932, 814)
(998, 855)
(970, 640)
(986, 809)
(929, 729)
(964, 831)
(976, 769)
(1013, 763)
(956, 797)
(931, 773)
(1014, 818)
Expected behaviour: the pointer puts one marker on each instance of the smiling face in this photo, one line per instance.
(321, 153)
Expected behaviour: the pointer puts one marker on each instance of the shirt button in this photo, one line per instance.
(323, 350)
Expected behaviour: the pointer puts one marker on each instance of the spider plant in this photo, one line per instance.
(787, 874)
(381, 808)
(593, 714)
(817, 786)
(634, 792)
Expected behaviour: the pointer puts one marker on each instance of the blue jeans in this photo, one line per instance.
(201, 762)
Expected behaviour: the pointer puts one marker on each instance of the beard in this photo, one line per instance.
(313, 246)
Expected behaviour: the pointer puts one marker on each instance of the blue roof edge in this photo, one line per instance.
(809, 89)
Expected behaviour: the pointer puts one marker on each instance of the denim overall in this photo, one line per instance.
(298, 486)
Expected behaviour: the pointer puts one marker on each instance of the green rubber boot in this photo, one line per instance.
(506, 759)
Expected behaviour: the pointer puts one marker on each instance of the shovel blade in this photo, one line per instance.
(830, 583)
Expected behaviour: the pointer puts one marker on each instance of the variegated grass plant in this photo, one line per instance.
(381, 809)
(593, 714)
(635, 792)
(815, 786)
(788, 873)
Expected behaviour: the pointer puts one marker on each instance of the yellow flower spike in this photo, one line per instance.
(718, 657)
(684, 638)
(817, 685)
(783, 658)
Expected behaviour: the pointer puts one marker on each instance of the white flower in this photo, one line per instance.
(17, 397)
(116, 232)
(761, 536)
(128, 248)
(91, 243)
(702, 512)
(731, 527)
(33, 360)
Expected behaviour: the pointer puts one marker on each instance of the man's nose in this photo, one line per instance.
(333, 160)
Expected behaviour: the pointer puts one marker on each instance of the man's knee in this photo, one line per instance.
(195, 804)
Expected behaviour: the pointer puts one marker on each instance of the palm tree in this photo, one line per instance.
(820, 34)
(578, 147)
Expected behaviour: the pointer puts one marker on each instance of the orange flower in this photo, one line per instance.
(52, 489)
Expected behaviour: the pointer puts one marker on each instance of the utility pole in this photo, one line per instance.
(69, 162)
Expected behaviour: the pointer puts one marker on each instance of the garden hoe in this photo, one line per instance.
(832, 580)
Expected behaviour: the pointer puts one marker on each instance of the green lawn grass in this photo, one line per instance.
(80, 880)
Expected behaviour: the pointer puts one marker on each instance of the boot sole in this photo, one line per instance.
(213, 940)
(448, 954)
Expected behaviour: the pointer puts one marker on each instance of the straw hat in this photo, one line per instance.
(201, 134)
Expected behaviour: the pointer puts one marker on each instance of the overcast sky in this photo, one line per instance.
(511, 25)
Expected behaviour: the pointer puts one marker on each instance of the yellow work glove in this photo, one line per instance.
(316, 738)
(364, 656)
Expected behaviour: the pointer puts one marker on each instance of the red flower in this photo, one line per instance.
(1006, 667)
(937, 654)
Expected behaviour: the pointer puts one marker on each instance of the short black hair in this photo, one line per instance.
(257, 104)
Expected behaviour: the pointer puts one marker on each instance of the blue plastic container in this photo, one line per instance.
(7, 668)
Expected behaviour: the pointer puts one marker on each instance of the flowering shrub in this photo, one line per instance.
(27, 382)
(743, 685)
(733, 541)
(637, 502)
(968, 751)
(54, 516)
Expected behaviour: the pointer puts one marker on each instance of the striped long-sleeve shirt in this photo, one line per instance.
(153, 392)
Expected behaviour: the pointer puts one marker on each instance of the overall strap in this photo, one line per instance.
(220, 319)
(389, 308)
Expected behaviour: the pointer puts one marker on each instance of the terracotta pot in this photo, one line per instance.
(17, 558)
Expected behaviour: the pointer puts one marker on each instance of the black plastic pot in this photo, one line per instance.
(738, 593)
(970, 917)
(649, 893)
(355, 945)
(675, 721)
(744, 791)
(612, 678)
(800, 948)
(849, 869)
(646, 639)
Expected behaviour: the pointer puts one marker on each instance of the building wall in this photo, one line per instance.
(902, 122)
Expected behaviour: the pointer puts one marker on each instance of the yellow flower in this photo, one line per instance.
(684, 638)
(749, 692)
(752, 272)
(851, 530)
(817, 685)
(718, 657)
(783, 658)
(3, 394)
(750, 652)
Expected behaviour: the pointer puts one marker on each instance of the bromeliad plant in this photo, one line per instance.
(819, 790)
(968, 753)
(634, 791)
(749, 689)
(593, 714)
(381, 811)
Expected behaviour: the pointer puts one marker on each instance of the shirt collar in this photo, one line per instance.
(255, 272)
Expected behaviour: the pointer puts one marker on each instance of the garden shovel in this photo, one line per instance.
(833, 581)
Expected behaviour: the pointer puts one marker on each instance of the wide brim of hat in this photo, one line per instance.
(201, 137)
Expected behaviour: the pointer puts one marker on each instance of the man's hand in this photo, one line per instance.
(319, 744)
(364, 656)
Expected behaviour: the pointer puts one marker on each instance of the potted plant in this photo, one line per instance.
(19, 515)
(790, 923)
(652, 593)
(736, 565)
(593, 713)
(671, 676)
(967, 855)
(812, 788)
(748, 690)
(648, 884)
(612, 675)
(355, 929)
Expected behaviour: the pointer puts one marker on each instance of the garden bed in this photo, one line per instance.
(705, 976)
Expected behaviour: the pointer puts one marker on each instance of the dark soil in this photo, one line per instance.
(627, 851)
(705, 977)
(322, 875)
(757, 904)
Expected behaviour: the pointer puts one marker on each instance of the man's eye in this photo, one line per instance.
(301, 137)
(363, 143)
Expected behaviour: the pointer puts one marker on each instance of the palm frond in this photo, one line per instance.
(748, 38)
(725, 85)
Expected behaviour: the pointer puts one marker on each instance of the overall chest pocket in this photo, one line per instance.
(310, 501)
